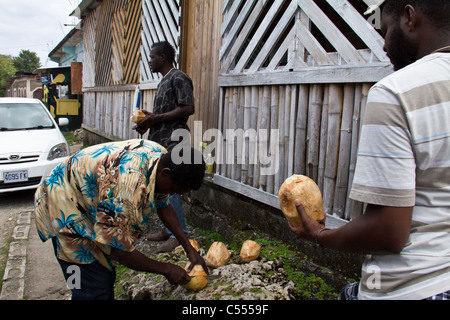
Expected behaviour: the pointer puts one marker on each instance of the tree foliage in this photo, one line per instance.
(7, 69)
(26, 61)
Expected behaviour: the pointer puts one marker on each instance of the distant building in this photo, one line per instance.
(24, 85)
(69, 49)
(62, 85)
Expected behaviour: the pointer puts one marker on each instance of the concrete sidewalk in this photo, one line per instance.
(14, 276)
(32, 272)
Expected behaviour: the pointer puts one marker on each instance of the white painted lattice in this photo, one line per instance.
(267, 35)
(160, 22)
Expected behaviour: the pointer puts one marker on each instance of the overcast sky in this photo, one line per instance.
(35, 25)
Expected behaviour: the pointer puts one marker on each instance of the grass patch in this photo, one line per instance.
(122, 273)
(307, 285)
(70, 137)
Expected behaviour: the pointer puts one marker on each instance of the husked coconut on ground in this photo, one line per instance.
(218, 255)
(250, 251)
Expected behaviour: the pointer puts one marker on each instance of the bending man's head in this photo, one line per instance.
(176, 177)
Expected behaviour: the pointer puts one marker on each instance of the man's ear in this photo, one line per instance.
(410, 17)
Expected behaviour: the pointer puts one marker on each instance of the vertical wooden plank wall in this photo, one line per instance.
(201, 42)
(318, 136)
(89, 39)
(109, 113)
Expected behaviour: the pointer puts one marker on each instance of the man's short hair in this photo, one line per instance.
(165, 48)
(186, 174)
(438, 11)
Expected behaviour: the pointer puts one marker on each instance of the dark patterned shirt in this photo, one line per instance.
(174, 90)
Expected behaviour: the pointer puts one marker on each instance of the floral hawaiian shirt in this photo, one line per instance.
(99, 198)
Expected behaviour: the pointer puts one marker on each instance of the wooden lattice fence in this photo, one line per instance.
(300, 70)
(285, 35)
(300, 67)
(111, 44)
(161, 22)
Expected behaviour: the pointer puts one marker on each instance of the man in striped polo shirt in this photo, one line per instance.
(403, 165)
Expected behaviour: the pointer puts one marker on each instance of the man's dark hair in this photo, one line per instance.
(186, 174)
(165, 48)
(438, 11)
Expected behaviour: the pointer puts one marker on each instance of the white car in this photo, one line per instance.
(31, 143)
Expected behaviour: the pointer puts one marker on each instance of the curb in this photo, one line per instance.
(14, 276)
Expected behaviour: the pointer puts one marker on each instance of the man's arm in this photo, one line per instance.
(139, 262)
(170, 220)
(179, 113)
(381, 230)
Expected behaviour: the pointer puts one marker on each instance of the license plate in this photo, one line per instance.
(15, 176)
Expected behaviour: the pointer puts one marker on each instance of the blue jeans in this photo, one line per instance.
(176, 204)
(88, 281)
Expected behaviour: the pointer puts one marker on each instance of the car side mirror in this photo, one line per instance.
(63, 122)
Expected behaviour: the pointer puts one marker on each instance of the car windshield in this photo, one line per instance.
(23, 116)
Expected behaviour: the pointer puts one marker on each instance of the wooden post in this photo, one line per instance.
(314, 125)
(258, 124)
(354, 207)
(301, 130)
(286, 125)
(323, 137)
(224, 166)
(274, 107)
(247, 126)
(252, 146)
(291, 134)
(263, 140)
(239, 125)
(334, 122)
(340, 195)
(220, 141)
(279, 178)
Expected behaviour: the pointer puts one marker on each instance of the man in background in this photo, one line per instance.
(173, 104)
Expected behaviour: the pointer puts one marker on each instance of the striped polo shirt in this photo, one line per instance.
(403, 161)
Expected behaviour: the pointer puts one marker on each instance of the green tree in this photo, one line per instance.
(6, 70)
(26, 61)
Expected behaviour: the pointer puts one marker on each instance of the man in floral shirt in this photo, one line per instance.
(97, 204)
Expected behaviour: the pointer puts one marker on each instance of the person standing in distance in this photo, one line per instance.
(173, 105)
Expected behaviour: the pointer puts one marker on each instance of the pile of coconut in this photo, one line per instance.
(218, 256)
(247, 279)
